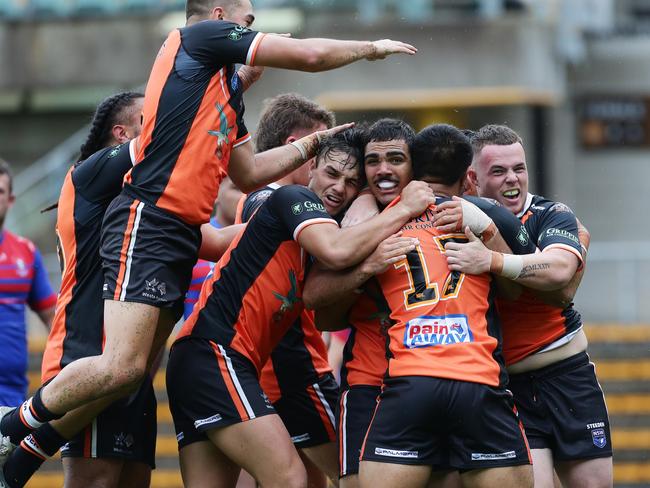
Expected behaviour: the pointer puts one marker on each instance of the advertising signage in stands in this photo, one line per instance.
(614, 122)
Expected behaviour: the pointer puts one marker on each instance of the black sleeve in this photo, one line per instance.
(253, 202)
(219, 43)
(510, 227)
(557, 226)
(100, 177)
(242, 131)
(296, 207)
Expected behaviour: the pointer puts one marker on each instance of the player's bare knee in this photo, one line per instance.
(294, 477)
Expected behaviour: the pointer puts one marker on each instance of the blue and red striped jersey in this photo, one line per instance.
(23, 281)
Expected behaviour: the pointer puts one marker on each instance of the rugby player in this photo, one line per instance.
(247, 306)
(193, 135)
(118, 447)
(387, 166)
(443, 400)
(555, 387)
(298, 379)
(388, 159)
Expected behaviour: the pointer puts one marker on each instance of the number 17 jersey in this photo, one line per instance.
(446, 324)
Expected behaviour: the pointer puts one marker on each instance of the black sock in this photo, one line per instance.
(31, 415)
(43, 443)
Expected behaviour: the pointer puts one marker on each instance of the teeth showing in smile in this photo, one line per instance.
(511, 193)
(386, 185)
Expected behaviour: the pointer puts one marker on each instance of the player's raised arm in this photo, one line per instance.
(251, 171)
(314, 55)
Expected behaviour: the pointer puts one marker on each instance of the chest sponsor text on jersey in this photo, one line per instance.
(441, 330)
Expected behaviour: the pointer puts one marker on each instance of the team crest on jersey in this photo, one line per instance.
(223, 133)
(287, 302)
(522, 236)
(237, 32)
(296, 208)
(599, 438)
(440, 330)
(21, 268)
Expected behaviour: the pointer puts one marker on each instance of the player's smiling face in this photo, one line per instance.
(501, 174)
(388, 169)
(335, 180)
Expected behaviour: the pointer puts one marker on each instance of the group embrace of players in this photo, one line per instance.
(460, 308)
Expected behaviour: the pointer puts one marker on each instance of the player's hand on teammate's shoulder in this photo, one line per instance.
(391, 250)
(416, 197)
(386, 47)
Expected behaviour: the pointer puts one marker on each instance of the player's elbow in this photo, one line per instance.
(314, 59)
(560, 277)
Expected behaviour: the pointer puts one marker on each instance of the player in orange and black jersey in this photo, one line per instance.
(388, 168)
(250, 302)
(193, 134)
(443, 400)
(298, 378)
(554, 384)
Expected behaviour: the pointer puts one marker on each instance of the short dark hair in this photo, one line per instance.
(441, 152)
(286, 113)
(5, 169)
(202, 8)
(390, 130)
(493, 135)
(113, 110)
(351, 142)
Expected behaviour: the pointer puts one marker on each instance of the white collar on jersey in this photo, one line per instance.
(273, 186)
(527, 204)
(132, 149)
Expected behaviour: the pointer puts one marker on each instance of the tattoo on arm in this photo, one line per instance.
(530, 271)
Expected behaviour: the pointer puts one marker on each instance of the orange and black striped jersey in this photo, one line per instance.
(300, 357)
(193, 118)
(530, 325)
(89, 187)
(255, 293)
(364, 355)
(446, 325)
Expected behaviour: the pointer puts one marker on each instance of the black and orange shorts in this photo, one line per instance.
(308, 414)
(147, 254)
(446, 424)
(126, 430)
(355, 409)
(211, 386)
(563, 409)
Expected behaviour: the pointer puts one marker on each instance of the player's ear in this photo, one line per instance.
(120, 134)
(471, 177)
(217, 13)
(290, 139)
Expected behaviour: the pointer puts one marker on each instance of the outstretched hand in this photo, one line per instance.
(386, 47)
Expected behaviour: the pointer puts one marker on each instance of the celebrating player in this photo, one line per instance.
(555, 387)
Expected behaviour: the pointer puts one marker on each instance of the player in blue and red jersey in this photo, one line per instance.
(23, 282)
